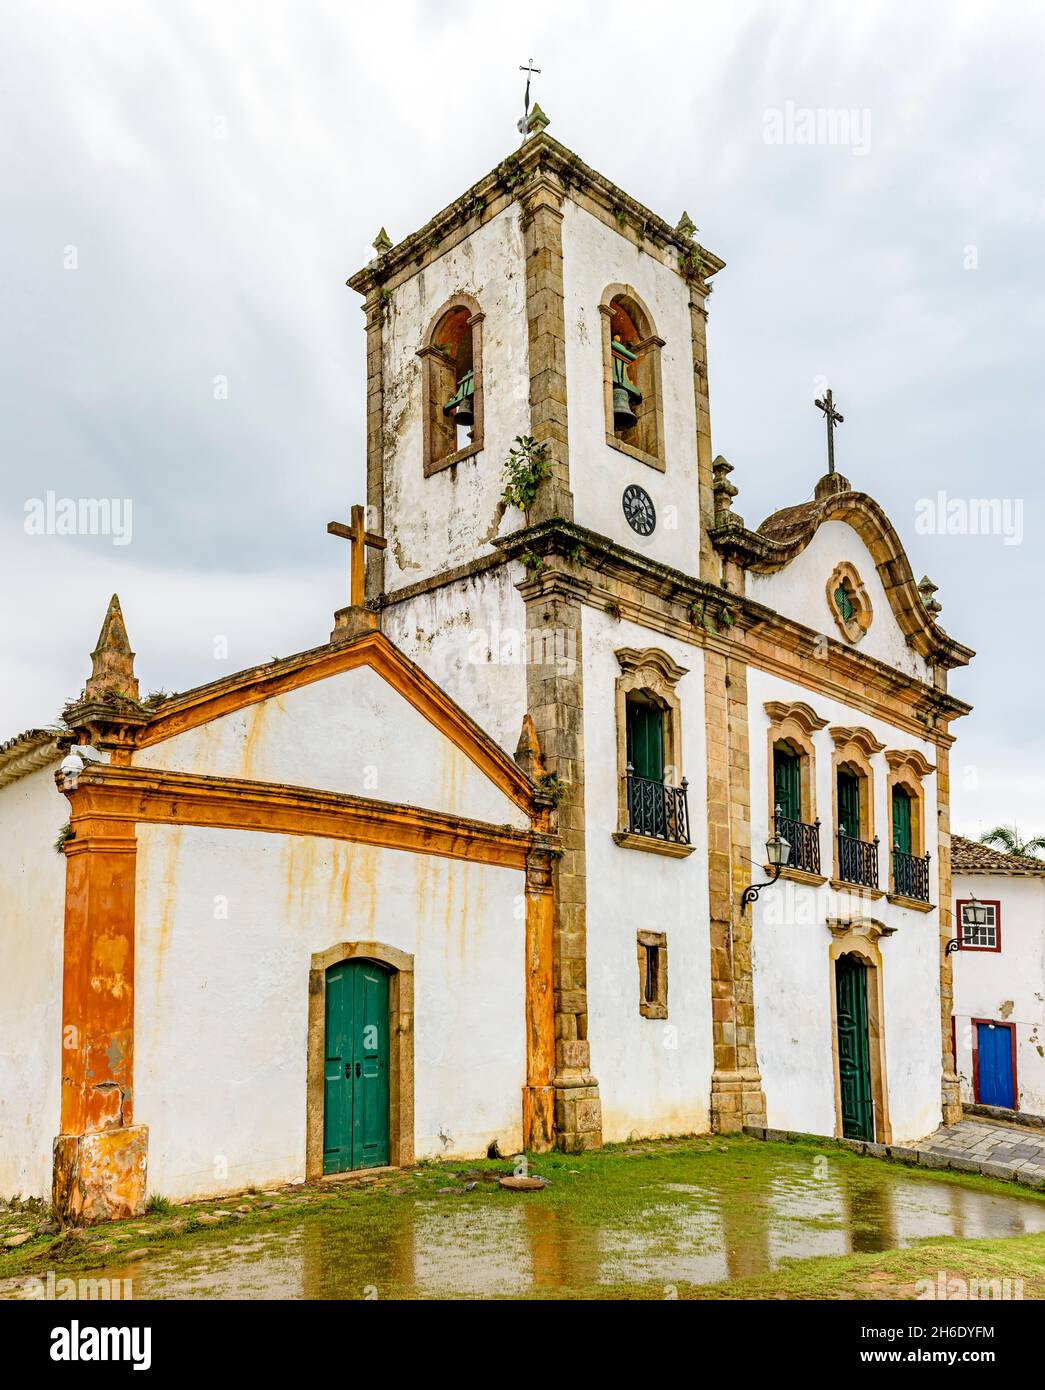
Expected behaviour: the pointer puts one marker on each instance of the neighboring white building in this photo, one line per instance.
(999, 978)
(547, 935)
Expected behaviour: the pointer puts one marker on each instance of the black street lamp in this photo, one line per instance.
(974, 914)
(778, 852)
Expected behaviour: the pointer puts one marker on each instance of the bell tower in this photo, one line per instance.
(543, 303)
(545, 315)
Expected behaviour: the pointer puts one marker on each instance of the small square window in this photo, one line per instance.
(980, 938)
(653, 974)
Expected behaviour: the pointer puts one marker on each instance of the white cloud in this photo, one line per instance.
(221, 169)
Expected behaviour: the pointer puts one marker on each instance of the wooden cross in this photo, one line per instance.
(360, 537)
(831, 415)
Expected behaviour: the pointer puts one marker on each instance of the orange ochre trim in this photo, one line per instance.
(108, 795)
(223, 697)
(538, 1094)
(98, 970)
(97, 1058)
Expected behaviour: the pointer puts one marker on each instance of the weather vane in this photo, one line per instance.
(524, 125)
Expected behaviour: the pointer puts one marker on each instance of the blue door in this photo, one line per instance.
(995, 1082)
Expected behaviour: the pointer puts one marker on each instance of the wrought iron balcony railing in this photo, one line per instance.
(911, 875)
(657, 810)
(804, 841)
(857, 860)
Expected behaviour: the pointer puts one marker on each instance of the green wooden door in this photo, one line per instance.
(854, 1052)
(646, 739)
(901, 821)
(849, 803)
(787, 784)
(356, 1072)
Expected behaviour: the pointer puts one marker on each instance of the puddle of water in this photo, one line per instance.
(633, 1231)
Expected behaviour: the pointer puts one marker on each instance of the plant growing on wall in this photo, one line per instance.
(554, 788)
(525, 468)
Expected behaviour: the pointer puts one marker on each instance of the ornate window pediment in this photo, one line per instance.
(652, 663)
(899, 758)
(862, 738)
(865, 928)
(780, 711)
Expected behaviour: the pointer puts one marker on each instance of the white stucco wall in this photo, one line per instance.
(32, 912)
(470, 638)
(654, 1075)
(348, 733)
(799, 591)
(1007, 985)
(790, 950)
(221, 1002)
(595, 256)
(437, 522)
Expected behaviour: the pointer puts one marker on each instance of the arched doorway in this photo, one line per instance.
(360, 1059)
(858, 1029)
(854, 1048)
(356, 1067)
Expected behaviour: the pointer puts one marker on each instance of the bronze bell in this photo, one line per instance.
(462, 401)
(623, 415)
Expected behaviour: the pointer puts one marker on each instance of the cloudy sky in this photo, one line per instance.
(188, 185)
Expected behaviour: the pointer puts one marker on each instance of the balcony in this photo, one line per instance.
(858, 860)
(911, 876)
(655, 810)
(804, 841)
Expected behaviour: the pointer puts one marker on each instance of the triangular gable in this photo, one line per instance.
(194, 709)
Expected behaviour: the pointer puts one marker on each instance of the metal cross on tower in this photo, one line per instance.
(360, 538)
(523, 125)
(831, 415)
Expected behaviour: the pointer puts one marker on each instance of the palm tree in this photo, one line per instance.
(1007, 839)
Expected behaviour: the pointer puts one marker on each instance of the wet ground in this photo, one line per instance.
(637, 1223)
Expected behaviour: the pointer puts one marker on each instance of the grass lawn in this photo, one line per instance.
(701, 1217)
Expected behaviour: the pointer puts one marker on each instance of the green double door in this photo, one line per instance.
(854, 1049)
(356, 1067)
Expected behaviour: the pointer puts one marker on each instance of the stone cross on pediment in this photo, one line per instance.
(360, 538)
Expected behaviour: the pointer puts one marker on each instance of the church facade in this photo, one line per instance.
(600, 814)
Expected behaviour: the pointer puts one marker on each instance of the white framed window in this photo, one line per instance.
(977, 938)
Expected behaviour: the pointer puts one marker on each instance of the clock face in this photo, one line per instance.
(639, 509)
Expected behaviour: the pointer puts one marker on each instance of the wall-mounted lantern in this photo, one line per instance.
(778, 853)
(974, 914)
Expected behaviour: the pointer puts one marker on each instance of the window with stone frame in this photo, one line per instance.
(653, 806)
(634, 404)
(793, 727)
(909, 864)
(452, 384)
(855, 840)
(653, 974)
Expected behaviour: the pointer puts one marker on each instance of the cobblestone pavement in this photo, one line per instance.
(997, 1151)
